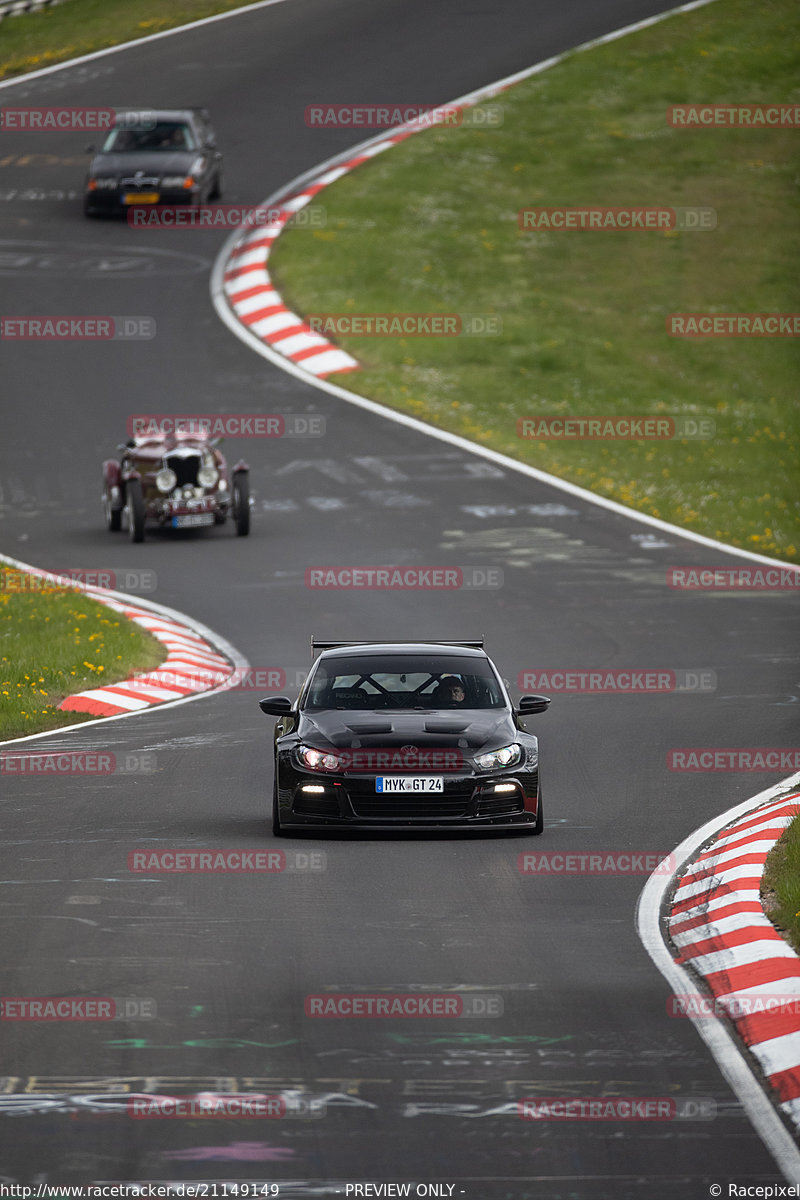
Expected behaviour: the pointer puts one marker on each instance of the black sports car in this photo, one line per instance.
(403, 735)
(160, 157)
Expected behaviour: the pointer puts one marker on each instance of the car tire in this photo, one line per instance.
(216, 187)
(277, 828)
(134, 506)
(241, 503)
(113, 516)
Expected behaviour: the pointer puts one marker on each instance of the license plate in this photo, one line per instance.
(409, 783)
(190, 519)
(140, 198)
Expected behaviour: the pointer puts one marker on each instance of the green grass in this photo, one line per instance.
(57, 641)
(77, 27)
(431, 226)
(780, 884)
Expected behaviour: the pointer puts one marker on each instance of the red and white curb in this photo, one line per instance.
(246, 287)
(192, 665)
(253, 297)
(714, 927)
(246, 283)
(198, 661)
(723, 933)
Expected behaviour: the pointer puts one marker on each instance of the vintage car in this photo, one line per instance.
(177, 481)
(404, 736)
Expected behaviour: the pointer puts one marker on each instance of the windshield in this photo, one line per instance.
(165, 135)
(404, 681)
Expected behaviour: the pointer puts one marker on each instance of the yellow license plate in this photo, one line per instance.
(141, 198)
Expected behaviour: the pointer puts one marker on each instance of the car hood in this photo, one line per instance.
(175, 162)
(471, 729)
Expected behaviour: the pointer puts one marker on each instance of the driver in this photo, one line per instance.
(450, 692)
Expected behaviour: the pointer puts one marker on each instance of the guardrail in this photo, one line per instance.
(13, 8)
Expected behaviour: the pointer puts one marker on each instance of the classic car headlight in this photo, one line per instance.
(208, 476)
(175, 181)
(166, 480)
(318, 760)
(506, 756)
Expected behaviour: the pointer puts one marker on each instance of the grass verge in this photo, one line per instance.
(432, 226)
(56, 641)
(76, 27)
(780, 884)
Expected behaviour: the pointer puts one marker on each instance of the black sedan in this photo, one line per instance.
(412, 736)
(156, 157)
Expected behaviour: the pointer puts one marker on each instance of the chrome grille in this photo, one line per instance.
(185, 467)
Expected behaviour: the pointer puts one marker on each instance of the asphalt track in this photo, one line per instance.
(228, 959)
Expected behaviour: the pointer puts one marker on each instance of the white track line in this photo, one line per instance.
(150, 37)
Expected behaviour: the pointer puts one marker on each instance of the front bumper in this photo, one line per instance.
(351, 801)
(113, 200)
(163, 509)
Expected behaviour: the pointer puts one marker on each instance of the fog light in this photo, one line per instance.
(505, 787)
(314, 788)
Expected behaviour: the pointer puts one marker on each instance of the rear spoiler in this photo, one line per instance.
(318, 644)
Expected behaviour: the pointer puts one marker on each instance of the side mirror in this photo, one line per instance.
(533, 704)
(276, 706)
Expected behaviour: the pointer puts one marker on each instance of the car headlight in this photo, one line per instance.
(103, 182)
(506, 756)
(177, 181)
(318, 760)
(166, 480)
(208, 476)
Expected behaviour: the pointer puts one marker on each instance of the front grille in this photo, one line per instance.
(455, 801)
(408, 808)
(138, 185)
(185, 468)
